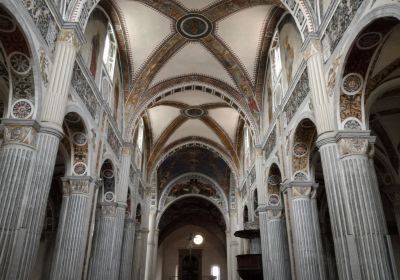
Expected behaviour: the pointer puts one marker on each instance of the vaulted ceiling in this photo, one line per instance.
(197, 69)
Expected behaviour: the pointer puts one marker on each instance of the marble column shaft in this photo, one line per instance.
(305, 231)
(278, 259)
(347, 263)
(128, 245)
(107, 242)
(73, 229)
(367, 224)
(37, 189)
(150, 246)
(16, 157)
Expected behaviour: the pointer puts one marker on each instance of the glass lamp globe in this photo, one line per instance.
(198, 239)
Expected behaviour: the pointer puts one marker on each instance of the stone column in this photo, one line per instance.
(16, 158)
(347, 262)
(107, 242)
(125, 271)
(367, 226)
(305, 231)
(275, 239)
(37, 189)
(73, 228)
(150, 246)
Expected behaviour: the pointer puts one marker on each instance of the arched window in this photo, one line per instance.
(139, 145)
(275, 56)
(110, 51)
(247, 148)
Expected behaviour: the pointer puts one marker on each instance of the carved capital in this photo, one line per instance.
(108, 209)
(68, 36)
(76, 185)
(355, 143)
(302, 189)
(20, 132)
(274, 214)
(313, 48)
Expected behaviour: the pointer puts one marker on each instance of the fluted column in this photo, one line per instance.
(305, 231)
(73, 228)
(367, 224)
(274, 243)
(346, 261)
(107, 242)
(322, 101)
(37, 190)
(16, 158)
(150, 246)
(125, 272)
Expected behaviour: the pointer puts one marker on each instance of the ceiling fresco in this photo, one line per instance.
(194, 159)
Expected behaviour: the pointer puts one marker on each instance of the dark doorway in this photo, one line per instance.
(190, 264)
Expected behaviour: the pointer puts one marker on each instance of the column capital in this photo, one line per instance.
(312, 48)
(71, 34)
(18, 131)
(300, 189)
(108, 208)
(77, 185)
(127, 148)
(355, 142)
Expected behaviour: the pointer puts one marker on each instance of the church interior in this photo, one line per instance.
(200, 139)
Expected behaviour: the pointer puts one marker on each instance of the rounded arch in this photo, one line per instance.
(303, 139)
(201, 197)
(138, 214)
(218, 197)
(108, 176)
(20, 66)
(194, 143)
(274, 180)
(353, 115)
(245, 214)
(227, 95)
(76, 142)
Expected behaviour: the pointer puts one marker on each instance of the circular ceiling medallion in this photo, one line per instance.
(369, 40)
(352, 83)
(194, 112)
(194, 26)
